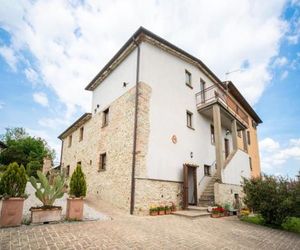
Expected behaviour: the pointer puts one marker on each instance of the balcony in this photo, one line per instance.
(213, 94)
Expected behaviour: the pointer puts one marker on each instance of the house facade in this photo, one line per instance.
(162, 128)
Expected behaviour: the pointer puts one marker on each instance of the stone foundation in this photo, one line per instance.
(224, 193)
(151, 192)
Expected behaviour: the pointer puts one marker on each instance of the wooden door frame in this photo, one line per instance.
(186, 169)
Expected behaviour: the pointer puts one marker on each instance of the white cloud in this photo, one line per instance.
(53, 122)
(284, 75)
(273, 154)
(71, 41)
(9, 55)
(31, 75)
(280, 61)
(41, 98)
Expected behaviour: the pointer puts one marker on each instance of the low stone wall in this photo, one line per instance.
(224, 193)
(151, 192)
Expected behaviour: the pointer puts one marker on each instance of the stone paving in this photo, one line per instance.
(160, 232)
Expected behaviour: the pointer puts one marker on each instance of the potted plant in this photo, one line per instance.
(217, 212)
(153, 211)
(77, 193)
(167, 209)
(12, 189)
(161, 210)
(47, 193)
(173, 207)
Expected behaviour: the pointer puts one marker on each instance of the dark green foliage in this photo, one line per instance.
(32, 168)
(292, 224)
(275, 198)
(13, 181)
(78, 183)
(257, 219)
(22, 148)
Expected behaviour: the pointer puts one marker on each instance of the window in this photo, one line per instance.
(68, 171)
(79, 163)
(102, 163)
(202, 89)
(207, 170)
(250, 163)
(189, 119)
(105, 117)
(248, 137)
(239, 133)
(254, 124)
(212, 134)
(70, 141)
(81, 133)
(188, 79)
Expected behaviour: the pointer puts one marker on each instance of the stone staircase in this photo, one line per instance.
(192, 212)
(207, 198)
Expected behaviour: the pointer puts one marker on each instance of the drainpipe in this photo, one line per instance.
(135, 127)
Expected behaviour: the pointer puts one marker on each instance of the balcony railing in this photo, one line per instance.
(213, 93)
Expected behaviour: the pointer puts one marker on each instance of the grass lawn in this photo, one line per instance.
(291, 224)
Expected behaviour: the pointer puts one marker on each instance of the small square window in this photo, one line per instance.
(70, 141)
(105, 118)
(68, 171)
(81, 133)
(207, 170)
(189, 119)
(79, 163)
(188, 79)
(212, 134)
(102, 163)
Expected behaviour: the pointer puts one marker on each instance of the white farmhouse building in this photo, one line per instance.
(162, 128)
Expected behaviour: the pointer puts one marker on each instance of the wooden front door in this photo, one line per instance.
(227, 150)
(189, 170)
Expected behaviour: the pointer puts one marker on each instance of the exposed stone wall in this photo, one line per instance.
(116, 140)
(156, 192)
(224, 193)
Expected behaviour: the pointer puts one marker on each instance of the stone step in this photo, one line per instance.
(191, 214)
(197, 208)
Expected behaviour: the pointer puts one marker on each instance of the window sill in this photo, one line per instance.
(190, 86)
(190, 127)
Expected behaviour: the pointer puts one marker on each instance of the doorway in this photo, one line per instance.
(190, 196)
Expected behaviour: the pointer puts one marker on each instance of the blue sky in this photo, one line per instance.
(50, 50)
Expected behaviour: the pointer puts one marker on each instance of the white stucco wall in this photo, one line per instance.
(170, 100)
(237, 167)
(112, 86)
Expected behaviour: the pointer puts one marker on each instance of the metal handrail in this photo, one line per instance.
(213, 93)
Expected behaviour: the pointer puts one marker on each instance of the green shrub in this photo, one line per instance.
(46, 192)
(32, 168)
(13, 181)
(292, 224)
(273, 197)
(256, 219)
(78, 183)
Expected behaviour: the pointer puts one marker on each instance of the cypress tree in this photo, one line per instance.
(78, 183)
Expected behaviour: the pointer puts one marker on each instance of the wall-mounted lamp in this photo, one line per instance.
(98, 106)
(227, 132)
(191, 154)
(125, 84)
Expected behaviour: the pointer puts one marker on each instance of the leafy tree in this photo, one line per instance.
(32, 167)
(23, 148)
(275, 198)
(13, 181)
(78, 183)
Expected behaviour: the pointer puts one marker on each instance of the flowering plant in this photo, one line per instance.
(218, 210)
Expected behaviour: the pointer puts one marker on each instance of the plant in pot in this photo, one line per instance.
(153, 211)
(167, 209)
(47, 193)
(217, 212)
(173, 207)
(12, 190)
(161, 210)
(77, 193)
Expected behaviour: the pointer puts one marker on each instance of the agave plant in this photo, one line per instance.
(46, 192)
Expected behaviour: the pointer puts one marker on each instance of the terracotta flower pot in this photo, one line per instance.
(41, 215)
(74, 209)
(168, 211)
(215, 215)
(154, 213)
(161, 212)
(12, 211)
